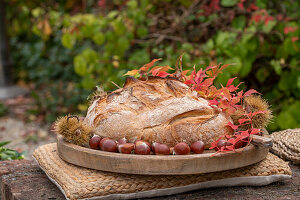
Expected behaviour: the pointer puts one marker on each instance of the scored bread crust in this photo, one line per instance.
(158, 109)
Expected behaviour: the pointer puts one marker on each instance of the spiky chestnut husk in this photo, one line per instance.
(98, 94)
(253, 103)
(74, 130)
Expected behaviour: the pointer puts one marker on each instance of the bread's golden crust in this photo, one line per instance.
(157, 110)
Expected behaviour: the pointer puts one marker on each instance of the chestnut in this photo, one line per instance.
(126, 148)
(94, 142)
(221, 143)
(101, 142)
(161, 149)
(181, 149)
(122, 141)
(154, 145)
(109, 145)
(197, 147)
(239, 144)
(137, 142)
(142, 149)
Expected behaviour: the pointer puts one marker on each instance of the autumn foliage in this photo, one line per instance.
(228, 98)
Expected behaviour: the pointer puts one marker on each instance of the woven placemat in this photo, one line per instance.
(82, 183)
(286, 144)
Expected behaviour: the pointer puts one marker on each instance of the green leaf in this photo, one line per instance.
(4, 143)
(261, 3)
(221, 37)
(268, 27)
(208, 46)
(99, 38)
(277, 66)
(88, 82)
(80, 65)
(119, 27)
(132, 4)
(90, 56)
(142, 31)
(246, 68)
(236, 65)
(68, 40)
(286, 81)
(262, 74)
(112, 14)
(37, 12)
(3, 110)
(285, 120)
(239, 22)
(123, 45)
(228, 3)
(139, 57)
(248, 34)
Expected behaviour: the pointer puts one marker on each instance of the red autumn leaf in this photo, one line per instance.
(267, 19)
(230, 148)
(253, 6)
(280, 17)
(294, 39)
(213, 102)
(241, 121)
(229, 82)
(227, 136)
(184, 72)
(241, 6)
(232, 141)
(231, 125)
(249, 92)
(255, 131)
(289, 29)
(258, 112)
(214, 5)
(188, 82)
(244, 133)
(162, 74)
(207, 82)
(157, 69)
(214, 144)
(132, 72)
(215, 70)
(147, 66)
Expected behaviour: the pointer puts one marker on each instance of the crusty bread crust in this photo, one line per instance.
(156, 110)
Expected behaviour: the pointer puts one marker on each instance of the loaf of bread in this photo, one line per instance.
(158, 109)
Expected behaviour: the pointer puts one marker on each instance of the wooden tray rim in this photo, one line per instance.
(154, 160)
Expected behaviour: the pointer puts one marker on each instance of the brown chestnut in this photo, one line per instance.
(126, 148)
(137, 142)
(181, 149)
(161, 149)
(101, 142)
(94, 142)
(109, 145)
(221, 143)
(197, 147)
(142, 149)
(239, 144)
(154, 145)
(122, 141)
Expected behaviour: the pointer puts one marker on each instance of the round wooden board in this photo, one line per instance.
(159, 164)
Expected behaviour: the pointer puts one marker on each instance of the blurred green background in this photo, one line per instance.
(62, 49)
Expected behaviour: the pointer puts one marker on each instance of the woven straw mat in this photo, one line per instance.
(286, 144)
(82, 183)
